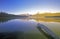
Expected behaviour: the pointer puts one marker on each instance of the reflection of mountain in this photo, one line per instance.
(47, 17)
(47, 20)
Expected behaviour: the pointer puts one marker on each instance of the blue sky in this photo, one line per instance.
(29, 6)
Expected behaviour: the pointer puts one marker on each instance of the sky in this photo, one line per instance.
(29, 6)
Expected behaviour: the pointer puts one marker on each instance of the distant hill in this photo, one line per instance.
(48, 15)
(4, 14)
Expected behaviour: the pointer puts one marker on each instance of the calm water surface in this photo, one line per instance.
(26, 28)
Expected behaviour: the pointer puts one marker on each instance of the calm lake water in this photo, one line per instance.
(26, 28)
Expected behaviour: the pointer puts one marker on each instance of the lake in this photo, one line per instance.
(26, 28)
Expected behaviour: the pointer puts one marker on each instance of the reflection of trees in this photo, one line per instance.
(5, 16)
(12, 35)
(5, 19)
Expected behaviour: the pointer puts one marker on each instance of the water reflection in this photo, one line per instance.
(25, 27)
(15, 26)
